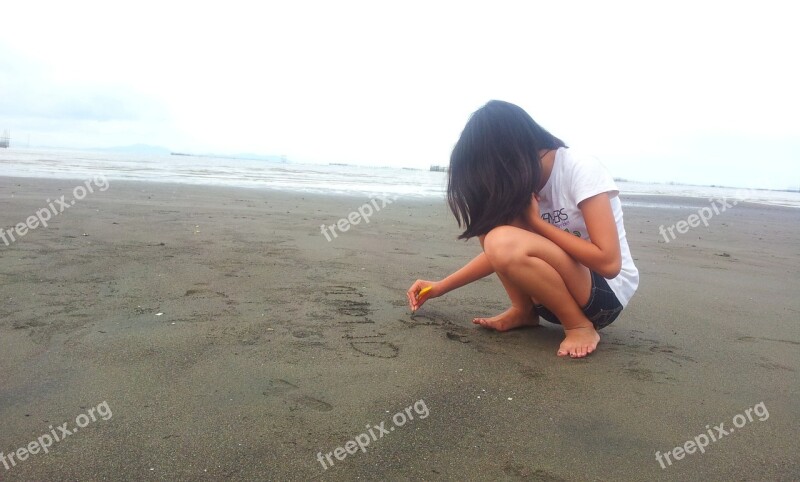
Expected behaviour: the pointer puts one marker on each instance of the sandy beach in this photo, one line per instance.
(232, 341)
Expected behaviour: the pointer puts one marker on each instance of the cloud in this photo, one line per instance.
(49, 109)
(29, 91)
(694, 91)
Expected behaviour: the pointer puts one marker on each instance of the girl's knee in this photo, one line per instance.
(502, 246)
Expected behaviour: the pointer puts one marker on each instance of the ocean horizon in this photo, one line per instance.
(330, 178)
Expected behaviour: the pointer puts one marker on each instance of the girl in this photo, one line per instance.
(550, 224)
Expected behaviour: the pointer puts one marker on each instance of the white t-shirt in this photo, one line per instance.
(575, 178)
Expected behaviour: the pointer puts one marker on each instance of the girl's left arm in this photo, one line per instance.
(602, 253)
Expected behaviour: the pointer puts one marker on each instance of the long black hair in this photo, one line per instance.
(495, 167)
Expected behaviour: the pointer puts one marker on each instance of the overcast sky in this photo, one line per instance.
(699, 92)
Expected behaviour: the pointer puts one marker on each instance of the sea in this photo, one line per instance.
(337, 179)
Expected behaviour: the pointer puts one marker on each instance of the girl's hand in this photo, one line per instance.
(534, 218)
(414, 300)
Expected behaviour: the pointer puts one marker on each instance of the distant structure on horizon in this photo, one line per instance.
(439, 168)
(5, 139)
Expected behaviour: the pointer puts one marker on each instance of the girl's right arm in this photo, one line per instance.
(476, 269)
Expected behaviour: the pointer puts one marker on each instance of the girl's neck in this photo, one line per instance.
(548, 157)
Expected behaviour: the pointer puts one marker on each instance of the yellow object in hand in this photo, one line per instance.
(422, 292)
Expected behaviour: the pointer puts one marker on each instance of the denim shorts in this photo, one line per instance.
(602, 309)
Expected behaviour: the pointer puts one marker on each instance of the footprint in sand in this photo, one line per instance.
(288, 391)
(642, 374)
(637, 345)
(377, 349)
(313, 403)
(308, 338)
(456, 337)
(200, 304)
(531, 373)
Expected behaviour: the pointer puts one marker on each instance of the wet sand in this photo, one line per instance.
(274, 344)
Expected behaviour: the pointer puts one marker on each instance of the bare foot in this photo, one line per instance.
(509, 319)
(579, 342)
